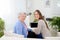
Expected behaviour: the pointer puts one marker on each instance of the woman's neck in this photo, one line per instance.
(22, 21)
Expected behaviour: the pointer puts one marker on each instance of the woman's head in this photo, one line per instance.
(38, 15)
(22, 16)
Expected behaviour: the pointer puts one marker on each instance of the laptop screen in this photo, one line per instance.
(33, 25)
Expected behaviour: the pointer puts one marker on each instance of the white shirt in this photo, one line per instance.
(42, 29)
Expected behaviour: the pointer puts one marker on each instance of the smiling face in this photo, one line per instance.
(22, 17)
(36, 15)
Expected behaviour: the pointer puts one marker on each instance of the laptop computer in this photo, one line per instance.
(33, 25)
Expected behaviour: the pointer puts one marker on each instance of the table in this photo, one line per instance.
(16, 38)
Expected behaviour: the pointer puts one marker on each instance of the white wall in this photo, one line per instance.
(9, 10)
(47, 10)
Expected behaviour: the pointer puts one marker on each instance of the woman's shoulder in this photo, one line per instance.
(41, 20)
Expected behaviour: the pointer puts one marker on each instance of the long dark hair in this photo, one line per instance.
(41, 17)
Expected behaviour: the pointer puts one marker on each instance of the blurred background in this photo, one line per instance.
(9, 10)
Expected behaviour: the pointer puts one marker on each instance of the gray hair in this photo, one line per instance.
(21, 13)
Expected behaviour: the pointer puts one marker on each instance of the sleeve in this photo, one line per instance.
(42, 29)
(24, 32)
(38, 29)
(45, 30)
(18, 29)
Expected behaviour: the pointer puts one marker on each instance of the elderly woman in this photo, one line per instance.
(20, 27)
